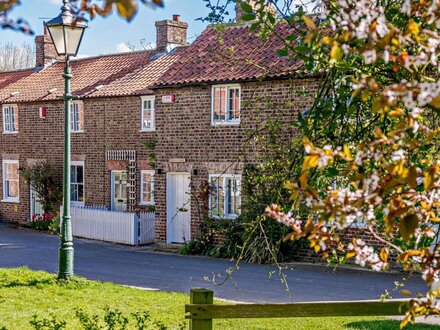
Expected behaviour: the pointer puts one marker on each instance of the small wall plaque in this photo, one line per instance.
(168, 98)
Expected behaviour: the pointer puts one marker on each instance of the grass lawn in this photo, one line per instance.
(24, 293)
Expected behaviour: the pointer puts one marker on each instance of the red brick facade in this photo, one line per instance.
(184, 132)
(109, 124)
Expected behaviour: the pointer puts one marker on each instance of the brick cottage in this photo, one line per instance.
(150, 127)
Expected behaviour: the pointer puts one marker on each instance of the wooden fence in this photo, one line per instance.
(201, 310)
(110, 226)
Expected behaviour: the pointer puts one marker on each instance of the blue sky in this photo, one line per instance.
(108, 35)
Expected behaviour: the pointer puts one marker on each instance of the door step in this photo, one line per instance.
(170, 248)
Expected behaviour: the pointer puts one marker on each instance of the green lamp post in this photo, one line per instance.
(66, 34)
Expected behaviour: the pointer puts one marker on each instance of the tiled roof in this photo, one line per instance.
(232, 54)
(118, 74)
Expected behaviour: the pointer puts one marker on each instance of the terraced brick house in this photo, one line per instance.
(151, 127)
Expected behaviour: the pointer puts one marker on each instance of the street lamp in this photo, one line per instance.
(66, 34)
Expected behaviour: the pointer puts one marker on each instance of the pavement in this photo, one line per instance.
(144, 268)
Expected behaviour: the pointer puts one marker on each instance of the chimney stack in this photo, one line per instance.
(45, 50)
(171, 33)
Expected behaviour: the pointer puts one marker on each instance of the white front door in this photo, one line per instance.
(119, 191)
(178, 208)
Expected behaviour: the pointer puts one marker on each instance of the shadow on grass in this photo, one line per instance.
(388, 325)
(28, 283)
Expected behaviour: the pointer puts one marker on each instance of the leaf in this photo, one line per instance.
(336, 53)
(436, 102)
(347, 153)
(248, 17)
(310, 161)
(126, 8)
(408, 226)
(428, 181)
(412, 177)
(350, 254)
(303, 180)
(309, 22)
(247, 8)
(282, 52)
(383, 255)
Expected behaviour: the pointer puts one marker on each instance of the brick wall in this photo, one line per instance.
(184, 132)
(109, 124)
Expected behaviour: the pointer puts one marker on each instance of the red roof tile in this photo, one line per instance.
(232, 54)
(118, 74)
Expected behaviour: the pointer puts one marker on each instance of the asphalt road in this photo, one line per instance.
(142, 267)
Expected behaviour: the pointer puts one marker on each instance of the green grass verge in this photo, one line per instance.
(24, 293)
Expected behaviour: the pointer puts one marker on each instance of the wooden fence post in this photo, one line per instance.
(201, 296)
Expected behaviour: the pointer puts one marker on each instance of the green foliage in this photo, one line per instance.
(51, 323)
(45, 179)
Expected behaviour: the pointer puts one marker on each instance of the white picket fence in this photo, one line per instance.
(118, 227)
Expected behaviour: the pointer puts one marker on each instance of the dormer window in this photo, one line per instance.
(226, 105)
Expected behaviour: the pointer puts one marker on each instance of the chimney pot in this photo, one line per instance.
(176, 18)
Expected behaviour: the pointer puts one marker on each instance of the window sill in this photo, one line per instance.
(12, 201)
(10, 133)
(77, 204)
(147, 204)
(76, 132)
(147, 130)
(226, 123)
(225, 217)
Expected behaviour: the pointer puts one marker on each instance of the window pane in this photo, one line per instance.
(6, 119)
(233, 104)
(80, 193)
(80, 110)
(73, 174)
(147, 122)
(11, 171)
(219, 104)
(74, 193)
(79, 174)
(14, 119)
(12, 188)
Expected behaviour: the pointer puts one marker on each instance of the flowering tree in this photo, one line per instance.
(83, 9)
(371, 140)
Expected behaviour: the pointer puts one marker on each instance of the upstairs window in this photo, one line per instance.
(147, 187)
(147, 114)
(77, 182)
(76, 117)
(226, 104)
(10, 119)
(225, 197)
(10, 181)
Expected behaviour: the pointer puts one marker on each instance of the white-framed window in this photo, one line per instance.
(225, 196)
(147, 188)
(226, 104)
(77, 182)
(10, 119)
(76, 117)
(147, 114)
(11, 177)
